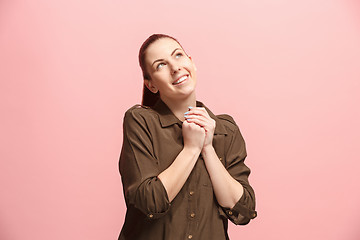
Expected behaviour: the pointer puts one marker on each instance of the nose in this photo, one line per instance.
(174, 68)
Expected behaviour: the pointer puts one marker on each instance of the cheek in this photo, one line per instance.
(160, 77)
(189, 65)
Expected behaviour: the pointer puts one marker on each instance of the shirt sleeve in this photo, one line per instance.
(244, 209)
(138, 167)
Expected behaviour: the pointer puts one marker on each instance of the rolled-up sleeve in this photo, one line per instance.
(244, 209)
(139, 168)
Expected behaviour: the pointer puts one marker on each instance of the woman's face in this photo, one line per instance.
(171, 71)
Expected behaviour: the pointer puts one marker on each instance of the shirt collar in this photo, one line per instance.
(167, 118)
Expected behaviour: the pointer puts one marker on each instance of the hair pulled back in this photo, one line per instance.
(149, 98)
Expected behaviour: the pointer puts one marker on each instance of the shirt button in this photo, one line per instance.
(254, 215)
(230, 212)
(151, 216)
(191, 193)
(220, 159)
(190, 236)
(192, 215)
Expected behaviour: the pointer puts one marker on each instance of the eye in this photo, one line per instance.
(159, 66)
(179, 54)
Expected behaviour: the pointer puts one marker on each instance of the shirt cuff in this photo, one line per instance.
(241, 213)
(152, 199)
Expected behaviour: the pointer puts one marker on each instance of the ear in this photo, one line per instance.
(149, 84)
(193, 62)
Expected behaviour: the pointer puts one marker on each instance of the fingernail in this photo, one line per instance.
(190, 107)
(186, 112)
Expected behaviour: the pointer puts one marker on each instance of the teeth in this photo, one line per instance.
(181, 79)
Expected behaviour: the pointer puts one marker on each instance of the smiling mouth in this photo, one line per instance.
(182, 79)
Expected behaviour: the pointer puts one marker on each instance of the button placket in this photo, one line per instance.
(192, 199)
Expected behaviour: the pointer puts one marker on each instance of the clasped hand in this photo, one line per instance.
(198, 127)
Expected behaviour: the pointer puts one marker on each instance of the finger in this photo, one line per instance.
(200, 122)
(201, 118)
(193, 124)
(209, 120)
(198, 116)
(198, 111)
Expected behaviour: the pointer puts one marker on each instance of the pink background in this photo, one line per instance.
(287, 71)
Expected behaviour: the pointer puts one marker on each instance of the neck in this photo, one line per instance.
(179, 107)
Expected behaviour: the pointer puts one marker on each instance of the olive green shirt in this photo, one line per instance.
(152, 140)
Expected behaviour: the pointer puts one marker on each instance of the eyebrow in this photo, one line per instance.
(163, 59)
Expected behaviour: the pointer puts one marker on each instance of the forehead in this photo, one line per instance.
(161, 48)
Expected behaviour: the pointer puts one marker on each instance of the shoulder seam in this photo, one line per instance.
(226, 117)
(138, 107)
(139, 113)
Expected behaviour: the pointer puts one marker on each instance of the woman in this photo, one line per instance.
(182, 167)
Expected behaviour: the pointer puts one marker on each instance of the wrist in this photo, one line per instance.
(206, 150)
(192, 150)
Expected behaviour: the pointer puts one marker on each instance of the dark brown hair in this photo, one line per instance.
(149, 98)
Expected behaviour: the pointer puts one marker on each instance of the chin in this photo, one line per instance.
(187, 93)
